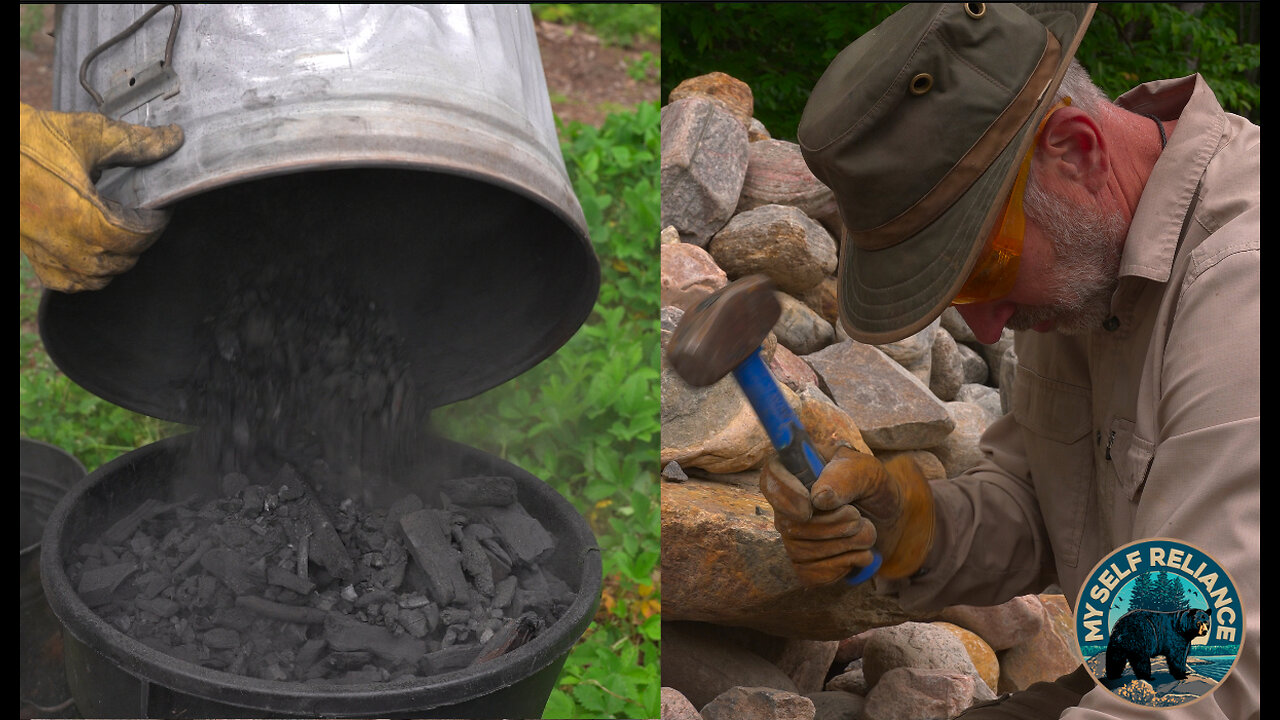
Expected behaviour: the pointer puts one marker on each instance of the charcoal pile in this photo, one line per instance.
(294, 551)
(272, 581)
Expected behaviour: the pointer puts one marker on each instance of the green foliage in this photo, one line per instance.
(1130, 43)
(32, 21)
(623, 24)
(586, 419)
(781, 49)
(643, 67)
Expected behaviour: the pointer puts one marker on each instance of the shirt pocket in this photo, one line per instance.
(1130, 457)
(1056, 418)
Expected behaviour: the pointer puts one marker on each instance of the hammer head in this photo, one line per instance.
(724, 329)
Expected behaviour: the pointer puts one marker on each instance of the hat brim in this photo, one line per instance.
(888, 294)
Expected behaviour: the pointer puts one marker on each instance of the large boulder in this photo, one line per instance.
(893, 408)
(723, 562)
(704, 160)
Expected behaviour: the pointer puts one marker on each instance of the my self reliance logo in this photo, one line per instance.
(1159, 623)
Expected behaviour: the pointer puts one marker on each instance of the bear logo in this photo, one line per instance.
(1140, 635)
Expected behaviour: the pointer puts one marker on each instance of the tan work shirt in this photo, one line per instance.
(1148, 429)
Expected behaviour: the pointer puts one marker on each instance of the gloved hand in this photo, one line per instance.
(75, 238)
(826, 537)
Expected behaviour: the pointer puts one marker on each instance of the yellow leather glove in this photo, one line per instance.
(826, 536)
(75, 238)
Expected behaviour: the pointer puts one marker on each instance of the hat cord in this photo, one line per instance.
(1164, 140)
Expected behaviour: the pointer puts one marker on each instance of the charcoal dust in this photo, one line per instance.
(294, 552)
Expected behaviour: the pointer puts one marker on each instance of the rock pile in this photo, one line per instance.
(738, 628)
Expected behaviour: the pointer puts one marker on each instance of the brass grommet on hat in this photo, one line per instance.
(975, 10)
(921, 83)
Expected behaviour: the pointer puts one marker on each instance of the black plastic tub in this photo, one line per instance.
(112, 675)
(45, 473)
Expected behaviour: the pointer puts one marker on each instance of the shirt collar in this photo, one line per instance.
(1168, 197)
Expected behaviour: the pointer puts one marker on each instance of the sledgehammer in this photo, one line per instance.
(722, 334)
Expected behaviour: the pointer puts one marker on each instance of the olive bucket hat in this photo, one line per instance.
(918, 128)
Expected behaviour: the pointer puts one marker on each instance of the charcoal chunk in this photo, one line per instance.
(427, 534)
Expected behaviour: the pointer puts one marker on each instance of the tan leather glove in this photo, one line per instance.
(75, 238)
(826, 537)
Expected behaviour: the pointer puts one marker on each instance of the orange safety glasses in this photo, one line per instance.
(997, 268)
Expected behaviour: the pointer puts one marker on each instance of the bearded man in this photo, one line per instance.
(976, 165)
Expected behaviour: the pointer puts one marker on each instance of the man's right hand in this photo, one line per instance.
(826, 536)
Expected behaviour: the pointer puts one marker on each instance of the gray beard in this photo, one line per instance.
(1087, 244)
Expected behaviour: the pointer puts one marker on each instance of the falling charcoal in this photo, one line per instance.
(127, 525)
(326, 547)
(407, 504)
(480, 490)
(427, 535)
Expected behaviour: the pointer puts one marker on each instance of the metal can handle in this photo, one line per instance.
(168, 48)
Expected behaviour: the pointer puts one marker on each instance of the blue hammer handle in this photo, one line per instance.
(787, 434)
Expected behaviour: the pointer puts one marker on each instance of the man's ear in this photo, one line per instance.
(1072, 147)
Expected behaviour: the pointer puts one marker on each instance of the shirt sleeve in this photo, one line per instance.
(990, 542)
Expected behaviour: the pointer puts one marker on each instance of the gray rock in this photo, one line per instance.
(806, 662)
(713, 428)
(959, 329)
(701, 664)
(675, 706)
(984, 396)
(704, 160)
(836, 705)
(668, 319)
(1000, 626)
(915, 645)
(975, 367)
(959, 451)
(914, 349)
(852, 680)
(791, 370)
(757, 131)
(729, 92)
(688, 275)
(947, 372)
(909, 693)
(822, 298)
(799, 328)
(851, 648)
(759, 703)
(777, 175)
(779, 241)
(893, 408)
